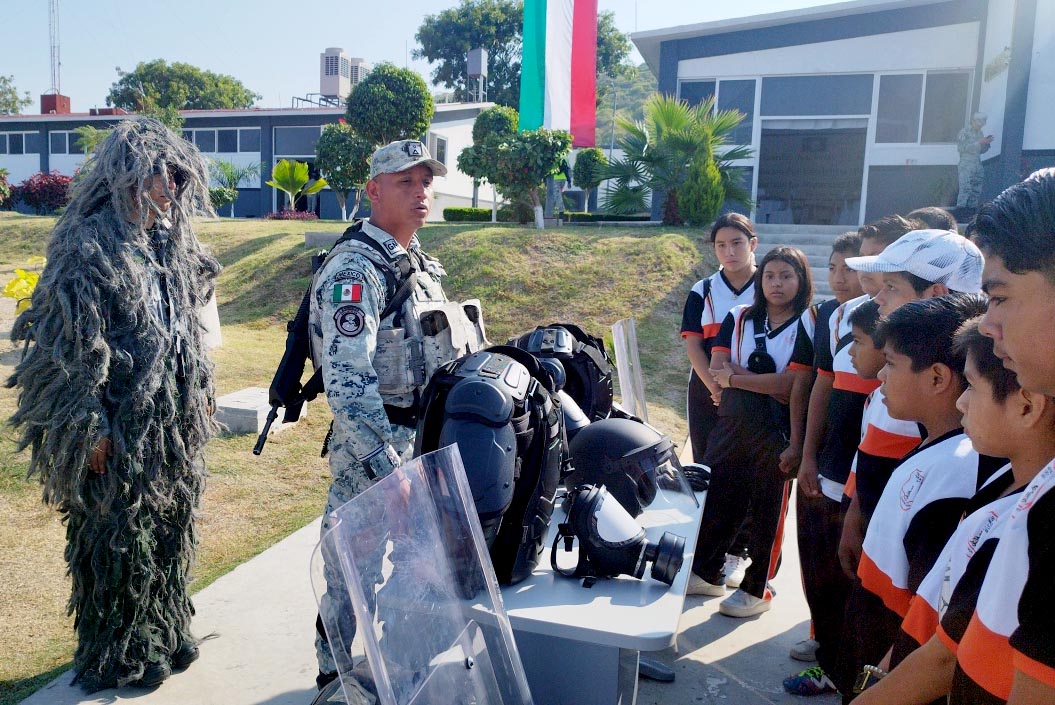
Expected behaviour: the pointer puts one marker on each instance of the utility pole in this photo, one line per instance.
(53, 30)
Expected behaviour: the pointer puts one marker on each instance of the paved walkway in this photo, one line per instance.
(262, 614)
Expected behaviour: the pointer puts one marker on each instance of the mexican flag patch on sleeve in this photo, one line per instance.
(347, 293)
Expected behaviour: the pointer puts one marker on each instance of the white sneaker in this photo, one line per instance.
(699, 586)
(742, 604)
(734, 569)
(805, 650)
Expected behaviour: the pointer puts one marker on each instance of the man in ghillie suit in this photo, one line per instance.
(116, 399)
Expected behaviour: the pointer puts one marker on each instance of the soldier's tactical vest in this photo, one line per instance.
(420, 329)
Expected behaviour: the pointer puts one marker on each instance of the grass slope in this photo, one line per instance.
(525, 278)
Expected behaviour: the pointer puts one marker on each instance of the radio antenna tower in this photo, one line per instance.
(53, 26)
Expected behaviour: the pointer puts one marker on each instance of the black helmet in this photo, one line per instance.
(622, 455)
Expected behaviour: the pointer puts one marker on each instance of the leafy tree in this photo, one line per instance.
(658, 152)
(490, 128)
(496, 121)
(158, 87)
(497, 25)
(343, 157)
(291, 178)
(613, 48)
(701, 198)
(523, 160)
(89, 137)
(390, 104)
(11, 103)
(230, 176)
(590, 165)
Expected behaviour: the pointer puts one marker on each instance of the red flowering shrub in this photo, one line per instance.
(44, 193)
(291, 215)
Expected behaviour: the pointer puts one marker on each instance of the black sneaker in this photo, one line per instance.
(153, 675)
(324, 679)
(185, 655)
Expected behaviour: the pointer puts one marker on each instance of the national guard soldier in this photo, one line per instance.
(380, 325)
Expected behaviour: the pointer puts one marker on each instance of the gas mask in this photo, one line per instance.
(610, 541)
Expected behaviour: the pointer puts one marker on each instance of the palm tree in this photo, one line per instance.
(230, 175)
(659, 150)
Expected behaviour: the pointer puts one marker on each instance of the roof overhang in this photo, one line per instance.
(650, 41)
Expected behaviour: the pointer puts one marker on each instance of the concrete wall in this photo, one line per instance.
(1040, 105)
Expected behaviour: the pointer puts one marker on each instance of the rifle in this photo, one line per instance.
(286, 389)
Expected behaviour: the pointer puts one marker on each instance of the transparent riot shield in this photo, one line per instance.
(406, 562)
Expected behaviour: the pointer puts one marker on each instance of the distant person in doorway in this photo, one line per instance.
(971, 145)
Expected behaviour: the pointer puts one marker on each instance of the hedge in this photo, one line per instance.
(467, 215)
(580, 217)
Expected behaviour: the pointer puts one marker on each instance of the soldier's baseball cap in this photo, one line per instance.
(936, 256)
(401, 155)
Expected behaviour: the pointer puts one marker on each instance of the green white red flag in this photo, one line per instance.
(558, 79)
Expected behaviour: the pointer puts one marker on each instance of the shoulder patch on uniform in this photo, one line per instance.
(391, 246)
(345, 275)
(349, 321)
(347, 293)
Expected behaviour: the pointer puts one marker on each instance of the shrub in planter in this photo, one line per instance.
(467, 215)
(291, 215)
(45, 193)
(222, 196)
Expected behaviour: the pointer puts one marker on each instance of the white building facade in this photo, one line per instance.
(852, 110)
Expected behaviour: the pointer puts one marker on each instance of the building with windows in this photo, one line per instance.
(34, 143)
(853, 109)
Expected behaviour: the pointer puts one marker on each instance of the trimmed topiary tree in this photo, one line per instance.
(390, 104)
(590, 165)
(700, 199)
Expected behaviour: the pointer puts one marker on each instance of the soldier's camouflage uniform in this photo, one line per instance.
(348, 298)
(969, 171)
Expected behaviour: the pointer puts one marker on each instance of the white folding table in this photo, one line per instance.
(580, 646)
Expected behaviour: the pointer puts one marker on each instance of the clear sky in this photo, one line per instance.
(272, 47)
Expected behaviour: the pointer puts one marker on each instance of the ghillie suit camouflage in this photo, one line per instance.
(114, 348)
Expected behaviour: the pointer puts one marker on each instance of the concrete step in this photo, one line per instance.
(815, 253)
(767, 228)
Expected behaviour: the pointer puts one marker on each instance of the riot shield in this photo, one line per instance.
(406, 561)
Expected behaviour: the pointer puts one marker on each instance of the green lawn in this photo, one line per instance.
(590, 276)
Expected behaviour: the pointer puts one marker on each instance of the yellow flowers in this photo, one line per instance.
(21, 287)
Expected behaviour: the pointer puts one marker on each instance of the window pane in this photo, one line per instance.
(738, 95)
(15, 143)
(817, 95)
(206, 140)
(34, 143)
(249, 140)
(295, 141)
(441, 151)
(695, 92)
(3, 144)
(897, 119)
(188, 135)
(945, 107)
(227, 140)
(75, 147)
(58, 142)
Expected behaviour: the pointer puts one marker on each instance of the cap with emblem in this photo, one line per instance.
(399, 156)
(936, 256)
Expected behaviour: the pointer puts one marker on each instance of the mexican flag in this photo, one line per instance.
(558, 74)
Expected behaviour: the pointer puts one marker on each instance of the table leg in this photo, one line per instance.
(566, 672)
